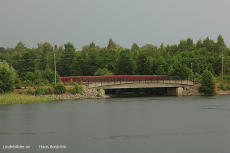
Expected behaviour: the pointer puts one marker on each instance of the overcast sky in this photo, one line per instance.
(125, 21)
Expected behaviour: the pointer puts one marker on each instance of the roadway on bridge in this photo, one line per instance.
(140, 84)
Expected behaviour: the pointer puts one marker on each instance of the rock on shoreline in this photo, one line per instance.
(193, 90)
(87, 93)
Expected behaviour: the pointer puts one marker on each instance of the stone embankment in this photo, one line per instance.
(193, 90)
(85, 94)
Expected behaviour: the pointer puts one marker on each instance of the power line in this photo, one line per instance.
(109, 59)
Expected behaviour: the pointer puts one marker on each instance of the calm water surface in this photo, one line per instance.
(196, 124)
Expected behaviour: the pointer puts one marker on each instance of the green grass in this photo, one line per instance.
(13, 98)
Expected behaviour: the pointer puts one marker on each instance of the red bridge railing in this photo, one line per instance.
(122, 78)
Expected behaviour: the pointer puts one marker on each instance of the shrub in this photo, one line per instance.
(98, 95)
(45, 91)
(70, 82)
(228, 87)
(226, 77)
(41, 81)
(39, 91)
(78, 88)
(18, 86)
(72, 91)
(29, 91)
(29, 76)
(16, 81)
(59, 88)
(37, 81)
(50, 90)
(27, 83)
(223, 87)
(22, 92)
(45, 81)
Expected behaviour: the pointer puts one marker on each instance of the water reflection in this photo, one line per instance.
(158, 135)
(16, 133)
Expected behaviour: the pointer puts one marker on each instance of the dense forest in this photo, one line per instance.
(187, 58)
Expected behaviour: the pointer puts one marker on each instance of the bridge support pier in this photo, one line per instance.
(102, 91)
(175, 91)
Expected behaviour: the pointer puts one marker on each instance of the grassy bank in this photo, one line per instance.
(13, 98)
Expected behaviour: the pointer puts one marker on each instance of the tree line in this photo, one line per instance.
(187, 58)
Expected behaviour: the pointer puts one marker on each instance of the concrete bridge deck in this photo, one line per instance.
(170, 87)
(140, 84)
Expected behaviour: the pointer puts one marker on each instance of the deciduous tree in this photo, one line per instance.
(125, 64)
(207, 83)
(7, 77)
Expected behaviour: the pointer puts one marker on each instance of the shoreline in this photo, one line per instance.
(94, 94)
(87, 93)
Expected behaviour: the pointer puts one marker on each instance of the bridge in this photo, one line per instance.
(171, 85)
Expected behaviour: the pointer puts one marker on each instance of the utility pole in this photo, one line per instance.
(222, 65)
(191, 66)
(55, 81)
(192, 73)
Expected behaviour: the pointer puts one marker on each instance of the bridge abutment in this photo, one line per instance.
(175, 91)
(102, 91)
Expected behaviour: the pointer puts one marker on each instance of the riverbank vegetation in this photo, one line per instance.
(35, 66)
(58, 88)
(12, 98)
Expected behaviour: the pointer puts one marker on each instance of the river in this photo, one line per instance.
(190, 124)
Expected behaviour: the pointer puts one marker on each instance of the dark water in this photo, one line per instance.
(196, 124)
